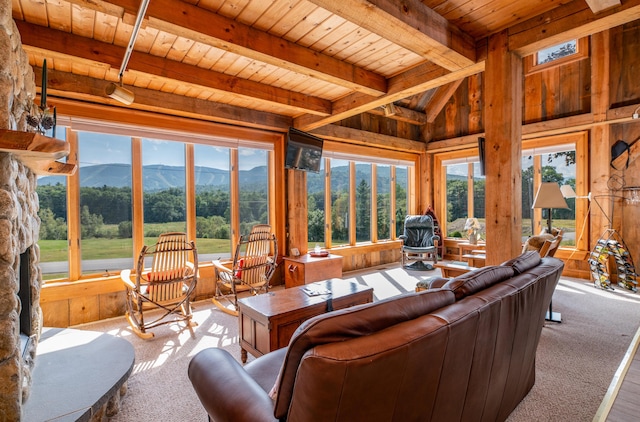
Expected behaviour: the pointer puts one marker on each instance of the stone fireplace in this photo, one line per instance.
(19, 228)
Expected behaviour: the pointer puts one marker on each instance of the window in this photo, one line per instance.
(213, 204)
(384, 184)
(53, 244)
(254, 188)
(363, 202)
(339, 202)
(551, 164)
(121, 167)
(105, 202)
(551, 159)
(316, 210)
(556, 55)
(164, 186)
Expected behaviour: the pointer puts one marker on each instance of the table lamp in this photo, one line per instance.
(549, 196)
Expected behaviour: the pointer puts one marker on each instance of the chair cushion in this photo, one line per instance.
(476, 280)
(344, 324)
(534, 243)
(523, 262)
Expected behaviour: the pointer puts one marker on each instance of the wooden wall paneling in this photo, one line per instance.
(600, 136)
(475, 103)
(584, 86)
(625, 53)
(626, 213)
(425, 185)
(112, 305)
(569, 90)
(503, 127)
(55, 314)
(533, 98)
(84, 309)
(553, 93)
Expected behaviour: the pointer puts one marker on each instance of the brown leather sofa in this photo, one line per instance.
(465, 351)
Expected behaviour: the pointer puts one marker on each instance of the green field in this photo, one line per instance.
(103, 248)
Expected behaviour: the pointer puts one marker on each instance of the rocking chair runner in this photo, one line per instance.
(254, 264)
(167, 286)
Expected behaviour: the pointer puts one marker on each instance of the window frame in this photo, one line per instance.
(582, 46)
(581, 142)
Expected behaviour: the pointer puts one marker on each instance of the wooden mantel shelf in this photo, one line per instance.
(38, 152)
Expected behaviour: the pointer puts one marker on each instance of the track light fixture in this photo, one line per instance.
(120, 93)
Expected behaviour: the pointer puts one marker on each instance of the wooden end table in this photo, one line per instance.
(267, 321)
(308, 269)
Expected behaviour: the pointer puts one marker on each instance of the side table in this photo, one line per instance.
(308, 269)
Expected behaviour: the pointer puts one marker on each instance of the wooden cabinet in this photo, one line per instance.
(307, 269)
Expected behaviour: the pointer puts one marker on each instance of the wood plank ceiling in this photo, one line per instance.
(275, 63)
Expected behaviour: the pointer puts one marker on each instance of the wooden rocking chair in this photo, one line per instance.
(165, 288)
(254, 264)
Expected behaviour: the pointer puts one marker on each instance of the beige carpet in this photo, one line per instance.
(576, 359)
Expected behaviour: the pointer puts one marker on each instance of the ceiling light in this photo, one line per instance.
(119, 93)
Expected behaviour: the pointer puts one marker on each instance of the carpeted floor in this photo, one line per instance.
(576, 359)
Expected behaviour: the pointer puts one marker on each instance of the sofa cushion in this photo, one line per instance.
(523, 262)
(479, 279)
(349, 323)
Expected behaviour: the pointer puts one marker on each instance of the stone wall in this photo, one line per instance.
(19, 225)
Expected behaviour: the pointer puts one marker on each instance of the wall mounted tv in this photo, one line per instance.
(304, 151)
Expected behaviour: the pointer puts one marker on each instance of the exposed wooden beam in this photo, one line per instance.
(440, 98)
(411, 82)
(402, 115)
(85, 48)
(122, 116)
(570, 21)
(361, 137)
(187, 20)
(411, 25)
(598, 6)
(90, 89)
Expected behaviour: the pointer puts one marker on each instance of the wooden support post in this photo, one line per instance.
(503, 150)
(297, 211)
(600, 136)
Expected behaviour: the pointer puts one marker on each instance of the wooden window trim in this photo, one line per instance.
(583, 52)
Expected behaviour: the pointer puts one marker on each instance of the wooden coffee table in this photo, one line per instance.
(267, 321)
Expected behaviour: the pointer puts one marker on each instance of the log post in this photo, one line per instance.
(503, 150)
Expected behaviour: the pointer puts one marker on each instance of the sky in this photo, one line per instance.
(99, 148)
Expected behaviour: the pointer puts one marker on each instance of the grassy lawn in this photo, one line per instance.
(57, 250)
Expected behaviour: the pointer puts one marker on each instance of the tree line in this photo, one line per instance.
(111, 206)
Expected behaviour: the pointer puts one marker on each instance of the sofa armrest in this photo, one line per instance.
(225, 389)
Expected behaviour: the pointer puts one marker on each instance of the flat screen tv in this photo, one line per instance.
(304, 151)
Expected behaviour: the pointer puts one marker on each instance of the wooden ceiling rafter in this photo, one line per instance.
(73, 45)
(186, 20)
(569, 21)
(86, 88)
(412, 25)
(412, 82)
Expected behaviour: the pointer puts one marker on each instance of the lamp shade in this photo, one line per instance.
(549, 196)
(567, 191)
